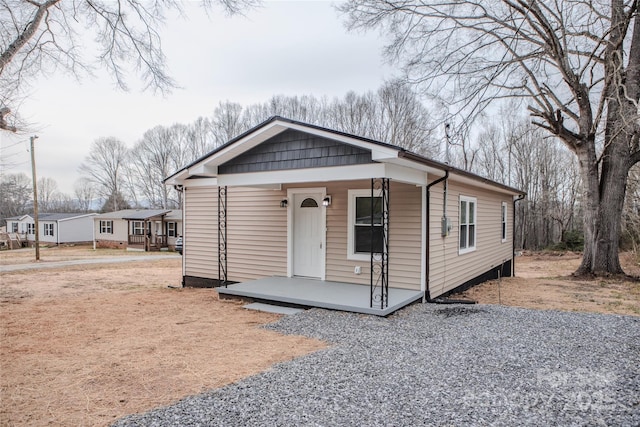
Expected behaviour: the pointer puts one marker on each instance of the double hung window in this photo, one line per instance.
(365, 232)
(106, 227)
(467, 224)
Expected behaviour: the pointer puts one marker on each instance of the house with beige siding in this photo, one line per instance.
(138, 229)
(298, 213)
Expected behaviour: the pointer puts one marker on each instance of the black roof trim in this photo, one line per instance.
(401, 152)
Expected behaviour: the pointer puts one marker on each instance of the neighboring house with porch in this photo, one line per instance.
(301, 214)
(138, 229)
(55, 228)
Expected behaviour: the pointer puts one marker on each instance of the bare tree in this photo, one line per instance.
(105, 166)
(577, 64)
(16, 195)
(631, 213)
(39, 36)
(48, 194)
(84, 192)
(226, 122)
(153, 162)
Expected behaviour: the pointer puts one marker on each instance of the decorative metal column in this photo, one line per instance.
(222, 236)
(380, 256)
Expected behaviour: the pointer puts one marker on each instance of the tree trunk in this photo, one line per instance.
(590, 197)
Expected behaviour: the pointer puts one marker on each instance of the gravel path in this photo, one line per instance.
(109, 260)
(436, 365)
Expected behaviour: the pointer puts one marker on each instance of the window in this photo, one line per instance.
(467, 224)
(106, 227)
(171, 229)
(309, 203)
(137, 228)
(31, 229)
(359, 235)
(14, 227)
(48, 229)
(504, 222)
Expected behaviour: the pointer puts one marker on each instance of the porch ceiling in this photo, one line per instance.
(318, 293)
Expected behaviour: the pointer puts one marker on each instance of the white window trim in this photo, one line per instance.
(172, 229)
(351, 213)
(138, 225)
(504, 230)
(48, 227)
(31, 229)
(106, 226)
(473, 200)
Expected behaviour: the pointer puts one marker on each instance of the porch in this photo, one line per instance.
(154, 242)
(317, 293)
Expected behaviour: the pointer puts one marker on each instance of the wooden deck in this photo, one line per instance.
(317, 293)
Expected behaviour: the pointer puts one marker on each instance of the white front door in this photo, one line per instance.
(308, 235)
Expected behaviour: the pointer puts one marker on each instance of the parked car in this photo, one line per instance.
(179, 245)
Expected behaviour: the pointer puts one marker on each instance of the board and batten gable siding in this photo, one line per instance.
(404, 234)
(256, 233)
(447, 268)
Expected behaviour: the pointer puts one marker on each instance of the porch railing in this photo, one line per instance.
(137, 239)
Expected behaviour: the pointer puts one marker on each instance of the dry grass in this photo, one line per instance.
(544, 281)
(64, 253)
(82, 346)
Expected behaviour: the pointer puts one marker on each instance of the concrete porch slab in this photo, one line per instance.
(317, 293)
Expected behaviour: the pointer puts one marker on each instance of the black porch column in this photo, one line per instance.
(379, 278)
(222, 236)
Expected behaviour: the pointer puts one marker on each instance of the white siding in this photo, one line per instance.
(76, 229)
(48, 239)
(120, 230)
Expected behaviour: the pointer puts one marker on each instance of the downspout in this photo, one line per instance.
(427, 293)
(182, 200)
(513, 235)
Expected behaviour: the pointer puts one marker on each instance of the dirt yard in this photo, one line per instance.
(85, 345)
(543, 281)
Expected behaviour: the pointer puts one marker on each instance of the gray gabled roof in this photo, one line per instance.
(401, 153)
(60, 216)
(53, 216)
(133, 214)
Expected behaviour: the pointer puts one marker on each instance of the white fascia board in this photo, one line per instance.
(200, 182)
(415, 165)
(245, 144)
(77, 217)
(405, 174)
(203, 169)
(291, 176)
(378, 152)
(178, 179)
(481, 184)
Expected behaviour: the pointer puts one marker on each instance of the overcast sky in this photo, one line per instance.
(286, 47)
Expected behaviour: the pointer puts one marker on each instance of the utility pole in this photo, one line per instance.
(35, 197)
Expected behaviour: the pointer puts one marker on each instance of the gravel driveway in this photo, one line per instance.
(436, 365)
